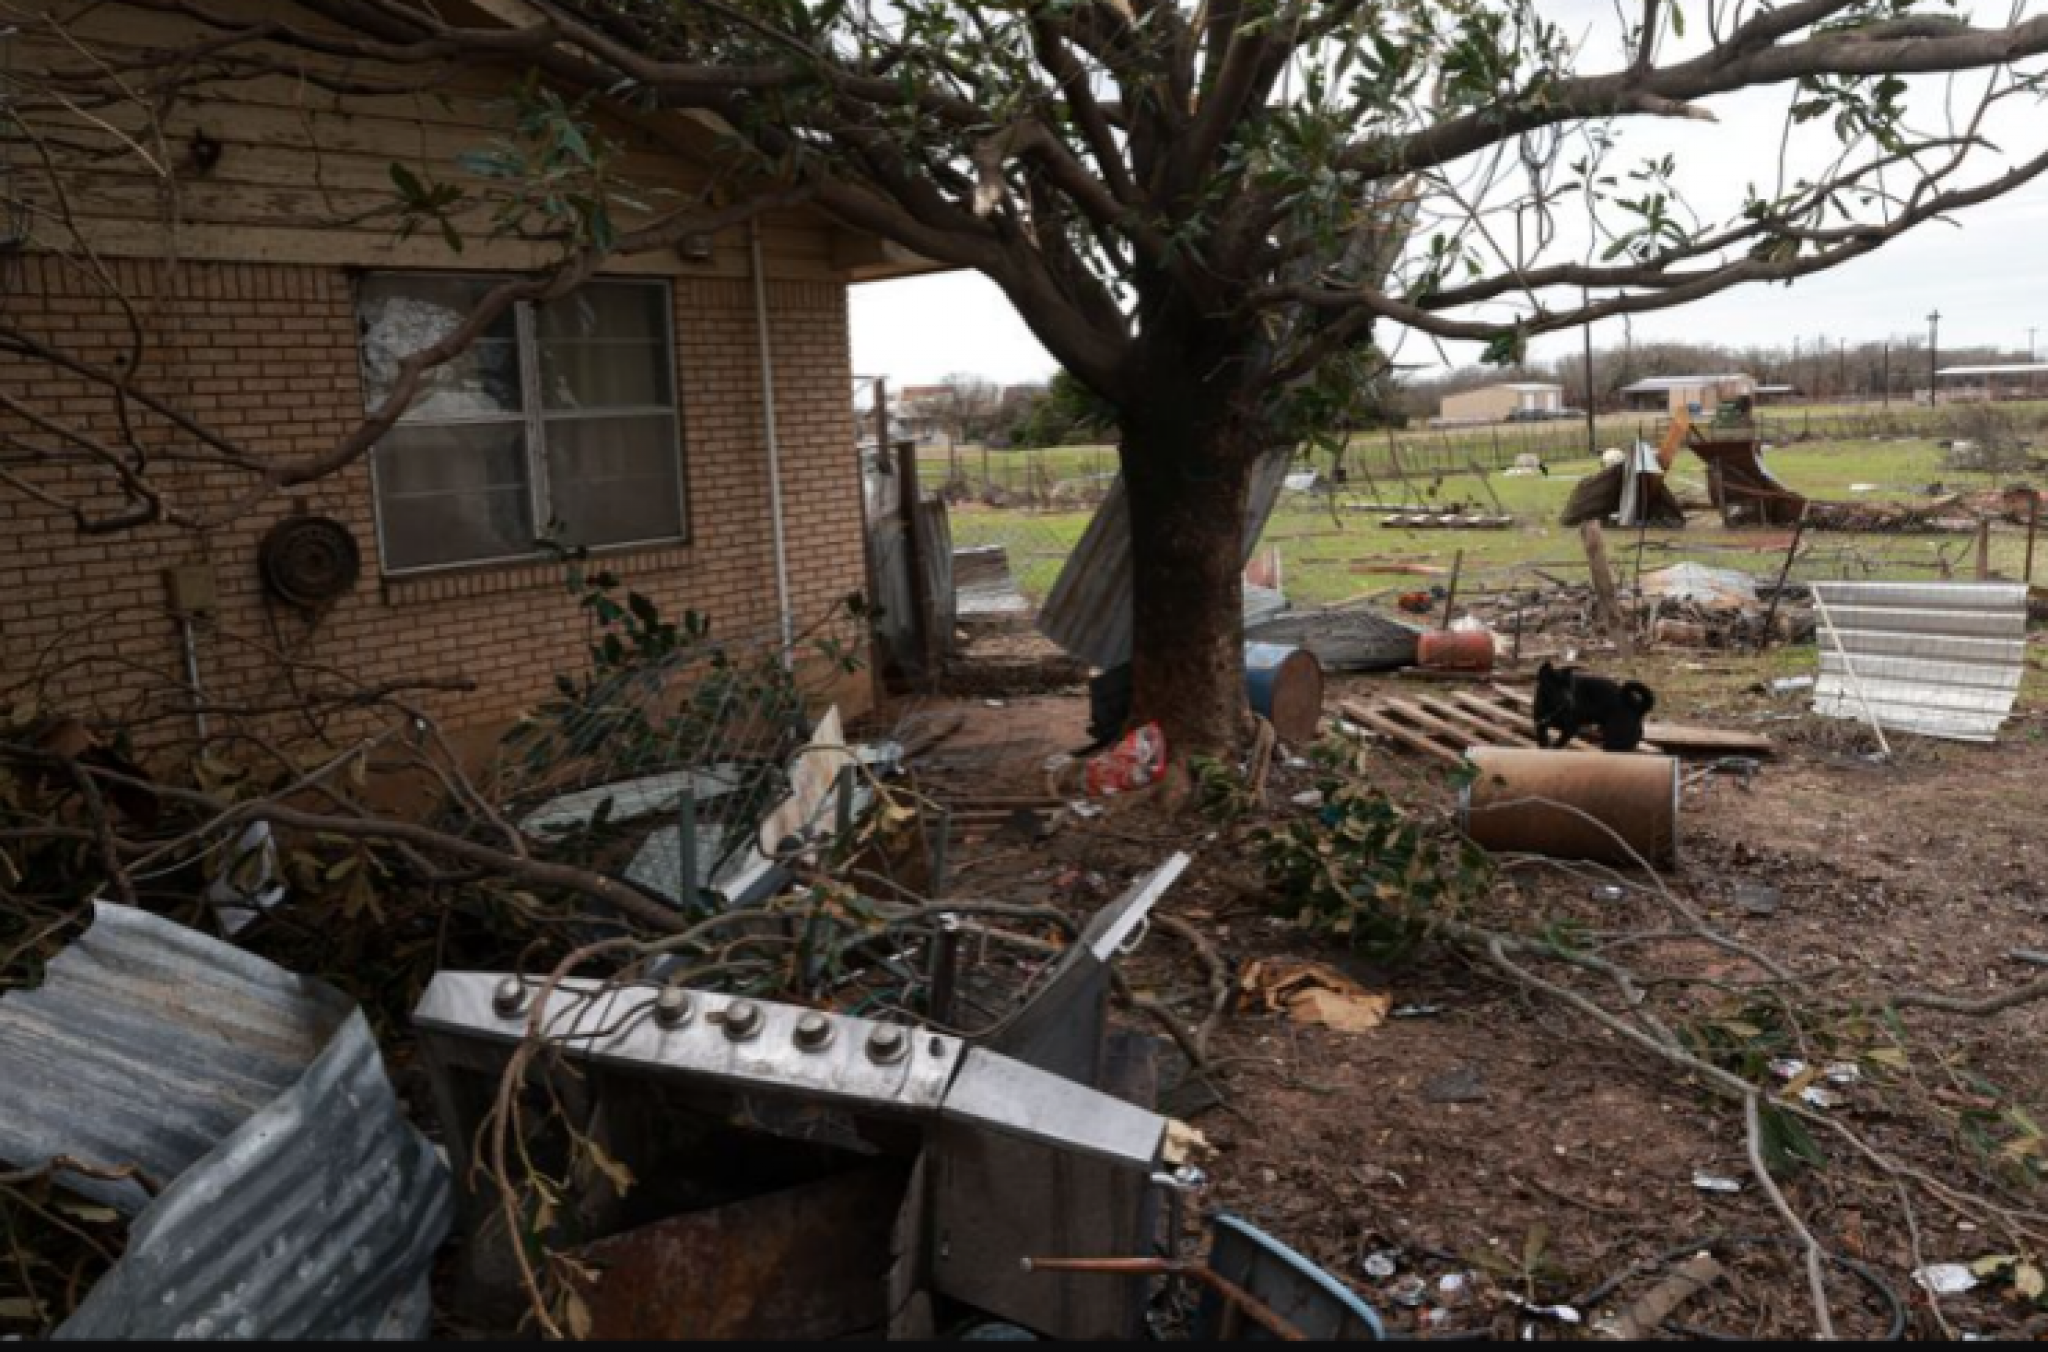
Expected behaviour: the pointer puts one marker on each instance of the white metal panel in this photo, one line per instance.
(1943, 659)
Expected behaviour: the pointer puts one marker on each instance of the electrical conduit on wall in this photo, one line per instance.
(774, 445)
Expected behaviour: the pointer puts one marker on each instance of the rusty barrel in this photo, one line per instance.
(1455, 650)
(1285, 686)
(1539, 802)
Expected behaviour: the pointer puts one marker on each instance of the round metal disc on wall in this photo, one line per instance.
(309, 561)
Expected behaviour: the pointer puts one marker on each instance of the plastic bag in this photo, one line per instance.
(1137, 760)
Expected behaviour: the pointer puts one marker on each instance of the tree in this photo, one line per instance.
(1214, 214)
(968, 408)
(1064, 414)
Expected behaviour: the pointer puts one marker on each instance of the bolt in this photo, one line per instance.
(813, 1032)
(742, 1020)
(887, 1044)
(672, 1008)
(510, 998)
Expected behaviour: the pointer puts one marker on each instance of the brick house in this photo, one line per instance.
(630, 414)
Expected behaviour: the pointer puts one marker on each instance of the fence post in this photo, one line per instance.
(920, 602)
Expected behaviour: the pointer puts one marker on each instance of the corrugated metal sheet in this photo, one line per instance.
(147, 1044)
(1943, 659)
(1089, 610)
(298, 1201)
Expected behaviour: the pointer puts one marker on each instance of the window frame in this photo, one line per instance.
(532, 418)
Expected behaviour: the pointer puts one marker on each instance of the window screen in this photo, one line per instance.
(560, 420)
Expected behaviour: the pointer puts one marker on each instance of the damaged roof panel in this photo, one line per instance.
(296, 1200)
(147, 1043)
(1942, 659)
(1089, 612)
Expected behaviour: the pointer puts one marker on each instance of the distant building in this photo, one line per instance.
(1494, 403)
(1779, 394)
(922, 410)
(1686, 394)
(2007, 380)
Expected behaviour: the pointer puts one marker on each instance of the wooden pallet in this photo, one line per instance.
(1444, 725)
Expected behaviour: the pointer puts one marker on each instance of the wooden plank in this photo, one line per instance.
(1376, 721)
(1479, 732)
(1492, 711)
(1680, 738)
(1424, 719)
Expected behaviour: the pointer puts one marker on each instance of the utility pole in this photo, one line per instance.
(2030, 345)
(1933, 356)
(1887, 373)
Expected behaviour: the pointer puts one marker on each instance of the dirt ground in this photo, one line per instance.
(1495, 1146)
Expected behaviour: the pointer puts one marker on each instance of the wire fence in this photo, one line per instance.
(1329, 543)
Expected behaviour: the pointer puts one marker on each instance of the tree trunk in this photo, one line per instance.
(1188, 479)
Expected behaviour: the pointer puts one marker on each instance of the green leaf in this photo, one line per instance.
(409, 185)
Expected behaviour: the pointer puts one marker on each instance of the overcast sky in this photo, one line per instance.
(1988, 273)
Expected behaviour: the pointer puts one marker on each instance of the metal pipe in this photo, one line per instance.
(774, 444)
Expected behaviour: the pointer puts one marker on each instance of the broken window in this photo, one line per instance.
(560, 420)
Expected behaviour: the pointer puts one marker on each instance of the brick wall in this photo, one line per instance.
(266, 355)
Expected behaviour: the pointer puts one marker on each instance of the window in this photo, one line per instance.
(560, 420)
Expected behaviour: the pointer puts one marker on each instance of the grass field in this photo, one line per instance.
(1331, 555)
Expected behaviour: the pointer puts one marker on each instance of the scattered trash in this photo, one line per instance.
(1381, 1265)
(1308, 798)
(1412, 1292)
(1133, 763)
(1945, 1279)
(1819, 1096)
(1610, 892)
(1084, 809)
(1563, 1314)
(1844, 1072)
(1452, 1288)
(1312, 993)
(1788, 1067)
(248, 885)
(1706, 1182)
(1416, 1012)
(994, 704)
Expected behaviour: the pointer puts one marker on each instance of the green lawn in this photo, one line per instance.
(1330, 556)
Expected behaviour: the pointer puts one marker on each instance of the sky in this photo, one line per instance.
(1987, 273)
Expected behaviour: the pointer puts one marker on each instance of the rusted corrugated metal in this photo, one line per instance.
(297, 1201)
(1089, 611)
(1943, 659)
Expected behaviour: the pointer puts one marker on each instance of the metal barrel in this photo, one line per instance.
(1573, 805)
(1455, 650)
(1285, 686)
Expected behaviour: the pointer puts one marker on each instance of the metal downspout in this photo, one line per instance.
(774, 445)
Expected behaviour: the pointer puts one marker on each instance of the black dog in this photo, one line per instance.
(1567, 701)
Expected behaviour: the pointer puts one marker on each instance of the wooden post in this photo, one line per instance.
(2033, 520)
(1984, 550)
(1451, 596)
(1604, 596)
(1763, 639)
(920, 603)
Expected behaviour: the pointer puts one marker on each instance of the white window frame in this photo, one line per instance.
(533, 417)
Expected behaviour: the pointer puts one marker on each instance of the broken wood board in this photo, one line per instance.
(1445, 724)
